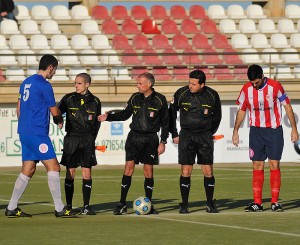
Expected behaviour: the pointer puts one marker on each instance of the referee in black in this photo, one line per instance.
(200, 116)
(149, 110)
(82, 109)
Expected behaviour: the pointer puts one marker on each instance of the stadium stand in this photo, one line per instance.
(161, 73)
(290, 56)
(200, 41)
(180, 41)
(130, 27)
(29, 27)
(80, 41)
(286, 26)
(39, 42)
(27, 57)
(295, 40)
(88, 57)
(279, 40)
(120, 42)
(9, 27)
(160, 41)
(80, 12)
(189, 26)
(220, 41)
(74, 70)
(228, 26)
(191, 56)
(240, 41)
(171, 57)
(150, 27)
(181, 73)
(17, 42)
(158, 12)
(140, 41)
(59, 42)
(100, 42)
(292, 11)
(90, 27)
(255, 11)
(222, 72)
(247, 26)
(251, 56)
(7, 58)
(270, 56)
(283, 72)
(3, 42)
(15, 74)
(110, 27)
(259, 41)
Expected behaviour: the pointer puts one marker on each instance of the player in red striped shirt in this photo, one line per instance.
(263, 97)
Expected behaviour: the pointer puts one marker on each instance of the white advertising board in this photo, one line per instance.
(113, 135)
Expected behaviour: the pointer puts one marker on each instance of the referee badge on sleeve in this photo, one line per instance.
(90, 118)
(205, 111)
(151, 114)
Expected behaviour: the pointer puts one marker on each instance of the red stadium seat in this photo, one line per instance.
(151, 57)
(160, 41)
(206, 70)
(2, 77)
(149, 27)
(189, 26)
(191, 57)
(159, 12)
(100, 13)
(120, 42)
(131, 58)
(130, 27)
(180, 42)
(119, 12)
(110, 27)
(169, 27)
(177, 12)
(220, 41)
(211, 57)
(240, 72)
(161, 73)
(139, 12)
(223, 73)
(140, 41)
(200, 41)
(171, 57)
(181, 73)
(232, 57)
(137, 70)
(197, 12)
(209, 27)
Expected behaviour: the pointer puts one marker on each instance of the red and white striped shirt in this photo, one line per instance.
(264, 104)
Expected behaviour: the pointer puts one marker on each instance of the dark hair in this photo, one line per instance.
(46, 61)
(254, 72)
(198, 74)
(86, 77)
(149, 77)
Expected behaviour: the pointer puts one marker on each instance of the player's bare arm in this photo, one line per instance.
(290, 114)
(240, 116)
(103, 117)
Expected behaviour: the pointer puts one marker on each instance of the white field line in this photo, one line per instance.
(225, 226)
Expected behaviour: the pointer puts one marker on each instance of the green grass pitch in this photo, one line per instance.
(231, 226)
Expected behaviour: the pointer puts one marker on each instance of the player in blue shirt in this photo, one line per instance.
(36, 102)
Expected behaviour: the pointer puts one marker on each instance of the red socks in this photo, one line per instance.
(275, 182)
(257, 185)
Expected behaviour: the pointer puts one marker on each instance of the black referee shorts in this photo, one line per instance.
(195, 144)
(79, 151)
(142, 148)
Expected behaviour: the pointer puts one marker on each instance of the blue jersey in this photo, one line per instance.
(36, 97)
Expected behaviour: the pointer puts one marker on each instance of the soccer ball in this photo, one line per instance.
(142, 205)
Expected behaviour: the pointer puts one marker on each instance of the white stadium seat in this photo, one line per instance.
(99, 74)
(240, 41)
(283, 72)
(80, 41)
(216, 11)
(292, 58)
(79, 12)
(9, 27)
(3, 42)
(59, 41)
(68, 57)
(267, 26)
(270, 58)
(60, 12)
(39, 42)
(292, 11)
(60, 75)
(228, 26)
(120, 74)
(236, 11)
(18, 41)
(109, 57)
(90, 59)
(295, 40)
(90, 27)
(255, 11)
(100, 42)
(50, 27)
(29, 27)
(15, 74)
(279, 40)
(74, 71)
(8, 59)
(40, 12)
(27, 57)
(22, 12)
(251, 56)
(286, 26)
(259, 40)
(247, 26)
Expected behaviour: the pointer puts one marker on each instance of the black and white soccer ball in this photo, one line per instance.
(142, 205)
